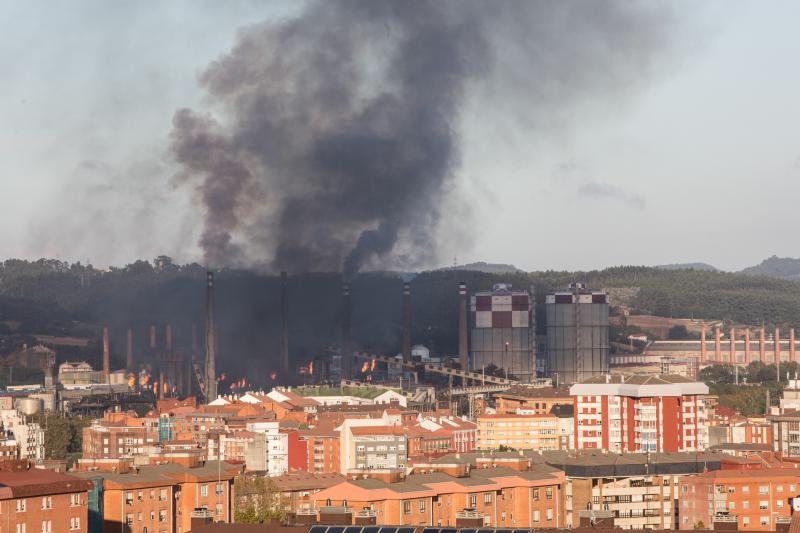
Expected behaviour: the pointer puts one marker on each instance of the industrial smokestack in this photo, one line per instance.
(284, 325)
(152, 337)
(747, 354)
(791, 345)
(462, 325)
(161, 385)
(129, 351)
(168, 338)
(762, 345)
(406, 322)
(777, 349)
(732, 353)
(106, 363)
(717, 346)
(703, 353)
(346, 349)
(211, 341)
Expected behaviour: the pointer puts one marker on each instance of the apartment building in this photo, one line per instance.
(539, 400)
(463, 433)
(322, 448)
(160, 498)
(786, 433)
(752, 431)
(382, 447)
(119, 435)
(640, 414)
(34, 501)
(28, 437)
(755, 500)
(518, 431)
(500, 497)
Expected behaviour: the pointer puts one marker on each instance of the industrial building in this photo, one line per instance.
(502, 331)
(577, 334)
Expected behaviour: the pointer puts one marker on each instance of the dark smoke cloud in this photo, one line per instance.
(333, 137)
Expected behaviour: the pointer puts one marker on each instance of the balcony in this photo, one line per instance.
(366, 513)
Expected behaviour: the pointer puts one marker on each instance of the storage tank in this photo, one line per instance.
(577, 334)
(48, 400)
(28, 406)
(502, 331)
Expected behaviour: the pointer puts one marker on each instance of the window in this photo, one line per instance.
(745, 520)
(74, 499)
(21, 505)
(536, 495)
(548, 493)
(745, 505)
(472, 501)
(204, 490)
(219, 510)
(162, 516)
(422, 506)
(139, 495)
(139, 516)
(407, 507)
(763, 489)
(162, 495)
(731, 505)
(792, 488)
(763, 505)
(218, 489)
(129, 519)
(152, 494)
(129, 498)
(47, 526)
(20, 528)
(746, 489)
(549, 514)
(487, 498)
(731, 490)
(536, 515)
(75, 523)
(779, 503)
(779, 488)
(764, 520)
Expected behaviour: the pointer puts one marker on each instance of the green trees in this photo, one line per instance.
(258, 500)
(63, 435)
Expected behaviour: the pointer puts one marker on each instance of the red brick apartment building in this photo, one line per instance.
(161, 498)
(756, 500)
(640, 414)
(501, 497)
(42, 501)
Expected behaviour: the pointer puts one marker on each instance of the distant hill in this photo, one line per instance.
(776, 267)
(703, 267)
(488, 268)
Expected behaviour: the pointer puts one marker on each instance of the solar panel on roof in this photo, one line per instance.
(317, 529)
(431, 530)
(370, 529)
(389, 530)
(485, 530)
(467, 530)
(502, 531)
(352, 529)
(522, 531)
(448, 530)
(335, 529)
(405, 530)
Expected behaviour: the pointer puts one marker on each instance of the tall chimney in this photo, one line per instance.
(791, 345)
(211, 341)
(406, 322)
(284, 325)
(462, 326)
(762, 345)
(346, 349)
(106, 363)
(732, 353)
(703, 353)
(129, 351)
(717, 346)
(168, 338)
(161, 385)
(777, 348)
(747, 353)
(152, 337)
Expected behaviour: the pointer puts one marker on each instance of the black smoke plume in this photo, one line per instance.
(333, 138)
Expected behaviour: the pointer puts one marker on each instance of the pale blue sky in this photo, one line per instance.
(702, 165)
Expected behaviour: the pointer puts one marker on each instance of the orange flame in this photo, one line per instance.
(311, 367)
(372, 366)
(131, 381)
(365, 367)
(273, 375)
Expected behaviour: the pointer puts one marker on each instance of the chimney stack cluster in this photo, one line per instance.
(778, 354)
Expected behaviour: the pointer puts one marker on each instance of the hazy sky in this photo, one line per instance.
(701, 165)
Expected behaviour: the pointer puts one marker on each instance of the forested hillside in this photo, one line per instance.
(52, 297)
